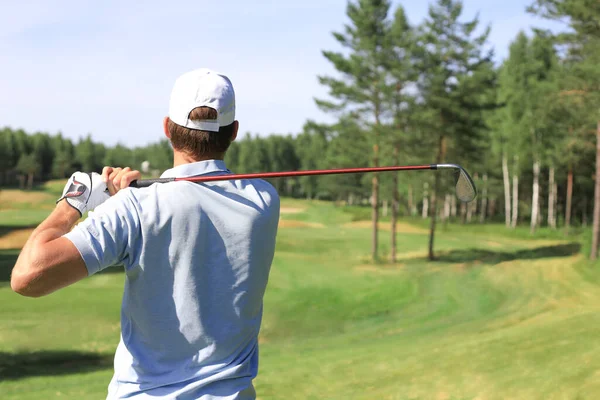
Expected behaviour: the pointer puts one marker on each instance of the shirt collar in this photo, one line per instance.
(196, 168)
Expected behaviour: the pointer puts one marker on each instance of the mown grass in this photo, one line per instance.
(498, 316)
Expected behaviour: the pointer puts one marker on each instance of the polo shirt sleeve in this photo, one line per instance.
(109, 235)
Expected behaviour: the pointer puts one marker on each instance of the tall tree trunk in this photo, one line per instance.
(492, 207)
(535, 198)
(596, 223)
(569, 200)
(375, 204)
(30, 181)
(515, 195)
(453, 206)
(447, 201)
(375, 189)
(551, 199)
(436, 184)
(396, 202)
(540, 217)
(506, 180)
(555, 197)
(484, 200)
(410, 198)
(472, 206)
(584, 214)
(425, 209)
(436, 180)
(469, 212)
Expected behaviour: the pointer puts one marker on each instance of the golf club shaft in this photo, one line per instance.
(263, 175)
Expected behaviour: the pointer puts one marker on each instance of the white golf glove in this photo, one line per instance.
(85, 191)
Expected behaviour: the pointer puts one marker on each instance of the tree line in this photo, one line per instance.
(529, 128)
(26, 158)
(424, 93)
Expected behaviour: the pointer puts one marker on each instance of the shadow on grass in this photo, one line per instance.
(6, 229)
(21, 365)
(8, 258)
(495, 257)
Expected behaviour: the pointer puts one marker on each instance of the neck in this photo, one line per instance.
(180, 158)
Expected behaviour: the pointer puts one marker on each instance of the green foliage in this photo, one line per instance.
(363, 82)
(310, 147)
(456, 78)
(28, 164)
(529, 91)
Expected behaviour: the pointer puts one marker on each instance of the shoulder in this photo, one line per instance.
(268, 192)
(124, 200)
(130, 203)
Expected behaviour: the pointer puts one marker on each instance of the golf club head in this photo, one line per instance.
(465, 187)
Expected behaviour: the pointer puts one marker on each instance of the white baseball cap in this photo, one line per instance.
(202, 88)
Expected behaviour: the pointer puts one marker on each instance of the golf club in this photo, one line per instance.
(465, 188)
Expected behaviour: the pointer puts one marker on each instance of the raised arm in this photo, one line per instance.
(49, 261)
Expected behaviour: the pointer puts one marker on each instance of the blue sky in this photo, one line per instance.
(107, 67)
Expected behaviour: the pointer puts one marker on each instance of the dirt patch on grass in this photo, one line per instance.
(386, 226)
(412, 255)
(12, 196)
(291, 210)
(15, 239)
(388, 269)
(284, 223)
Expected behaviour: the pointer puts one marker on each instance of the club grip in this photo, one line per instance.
(147, 182)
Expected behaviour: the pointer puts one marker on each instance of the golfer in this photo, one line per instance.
(196, 256)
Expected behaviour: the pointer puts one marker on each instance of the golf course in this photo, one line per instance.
(499, 315)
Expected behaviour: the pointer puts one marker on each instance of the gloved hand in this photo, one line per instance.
(85, 191)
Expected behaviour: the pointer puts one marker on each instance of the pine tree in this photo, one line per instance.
(7, 154)
(232, 157)
(455, 71)
(44, 153)
(64, 154)
(118, 156)
(362, 86)
(29, 165)
(310, 146)
(346, 149)
(402, 74)
(87, 155)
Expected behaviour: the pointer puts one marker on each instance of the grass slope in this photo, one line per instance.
(499, 315)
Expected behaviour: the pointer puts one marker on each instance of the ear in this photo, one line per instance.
(166, 127)
(236, 127)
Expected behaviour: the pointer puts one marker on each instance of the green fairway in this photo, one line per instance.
(499, 316)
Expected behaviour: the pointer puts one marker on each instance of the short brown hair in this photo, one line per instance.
(197, 143)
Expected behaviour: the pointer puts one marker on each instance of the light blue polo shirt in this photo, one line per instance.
(197, 259)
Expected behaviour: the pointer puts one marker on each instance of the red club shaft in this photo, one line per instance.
(305, 173)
